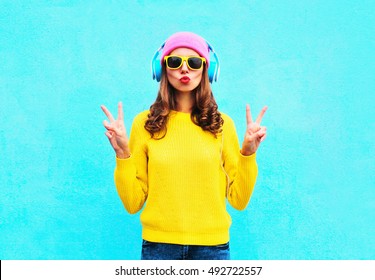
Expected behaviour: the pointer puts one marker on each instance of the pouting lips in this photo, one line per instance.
(185, 79)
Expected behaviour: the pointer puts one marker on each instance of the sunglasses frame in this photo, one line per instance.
(184, 58)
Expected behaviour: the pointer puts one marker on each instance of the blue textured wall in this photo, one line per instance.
(311, 62)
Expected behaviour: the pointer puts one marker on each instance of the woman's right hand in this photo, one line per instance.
(116, 132)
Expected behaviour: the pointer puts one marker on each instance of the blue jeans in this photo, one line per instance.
(164, 251)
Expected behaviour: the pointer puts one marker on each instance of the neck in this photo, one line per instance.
(184, 101)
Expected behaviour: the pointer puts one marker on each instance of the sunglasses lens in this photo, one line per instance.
(174, 61)
(195, 62)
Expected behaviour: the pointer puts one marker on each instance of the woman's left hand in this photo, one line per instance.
(255, 133)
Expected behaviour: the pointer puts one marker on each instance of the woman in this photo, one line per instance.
(183, 159)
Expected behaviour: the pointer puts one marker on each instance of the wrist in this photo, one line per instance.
(246, 153)
(121, 154)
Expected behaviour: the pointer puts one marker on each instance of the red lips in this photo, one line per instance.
(185, 79)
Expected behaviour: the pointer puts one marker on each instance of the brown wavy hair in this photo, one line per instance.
(204, 113)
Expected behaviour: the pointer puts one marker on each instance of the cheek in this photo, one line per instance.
(197, 77)
(172, 76)
(197, 74)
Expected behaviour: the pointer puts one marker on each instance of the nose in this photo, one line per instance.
(184, 67)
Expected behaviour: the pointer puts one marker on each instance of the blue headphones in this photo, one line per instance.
(213, 69)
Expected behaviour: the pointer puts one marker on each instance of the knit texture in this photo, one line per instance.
(186, 40)
(181, 183)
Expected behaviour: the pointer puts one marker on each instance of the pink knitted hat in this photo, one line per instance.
(186, 40)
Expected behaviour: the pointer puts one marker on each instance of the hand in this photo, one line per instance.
(255, 134)
(116, 132)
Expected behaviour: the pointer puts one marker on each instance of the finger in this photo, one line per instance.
(111, 128)
(261, 133)
(254, 127)
(262, 129)
(111, 138)
(107, 125)
(108, 134)
(107, 113)
(263, 138)
(256, 135)
(261, 114)
(120, 112)
(249, 119)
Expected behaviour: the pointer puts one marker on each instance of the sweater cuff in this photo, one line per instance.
(253, 156)
(124, 163)
(247, 160)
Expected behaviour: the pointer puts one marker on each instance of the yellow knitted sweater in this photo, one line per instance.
(181, 180)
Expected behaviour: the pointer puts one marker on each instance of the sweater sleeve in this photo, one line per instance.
(241, 170)
(130, 174)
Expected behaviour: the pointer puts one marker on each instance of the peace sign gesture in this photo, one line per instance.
(255, 133)
(116, 132)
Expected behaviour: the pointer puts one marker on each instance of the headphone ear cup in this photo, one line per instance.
(212, 71)
(156, 66)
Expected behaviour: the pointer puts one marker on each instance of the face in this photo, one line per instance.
(184, 79)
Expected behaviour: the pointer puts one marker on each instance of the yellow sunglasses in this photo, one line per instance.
(176, 61)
